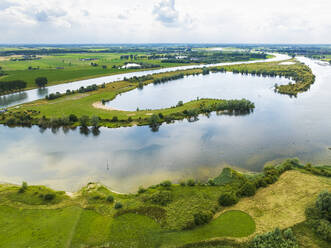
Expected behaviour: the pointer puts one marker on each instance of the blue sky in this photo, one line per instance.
(149, 21)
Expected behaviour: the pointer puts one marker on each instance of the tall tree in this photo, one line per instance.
(41, 81)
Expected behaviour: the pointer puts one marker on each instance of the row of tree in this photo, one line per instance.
(82, 89)
(168, 78)
(15, 85)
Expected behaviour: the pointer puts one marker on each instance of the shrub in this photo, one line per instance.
(182, 183)
(227, 199)
(141, 190)
(110, 198)
(118, 205)
(114, 119)
(190, 182)
(84, 120)
(275, 239)
(323, 204)
(211, 182)
(318, 216)
(95, 121)
(161, 198)
(248, 189)
(323, 228)
(49, 196)
(23, 188)
(166, 183)
(201, 218)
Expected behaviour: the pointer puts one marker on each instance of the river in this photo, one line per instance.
(280, 127)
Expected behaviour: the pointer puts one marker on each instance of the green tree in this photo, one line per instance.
(227, 199)
(248, 189)
(41, 81)
(84, 120)
(95, 121)
(23, 188)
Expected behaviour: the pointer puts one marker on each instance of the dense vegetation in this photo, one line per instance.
(82, 89)
(300, 73)
(10, 86)
(319, 216)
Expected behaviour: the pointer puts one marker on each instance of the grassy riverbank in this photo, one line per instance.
(300, 73)
(164, 215)
(84, 104)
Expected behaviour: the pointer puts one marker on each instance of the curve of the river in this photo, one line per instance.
(35, 94)
(280, 127)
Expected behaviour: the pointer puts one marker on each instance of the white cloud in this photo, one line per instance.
(112, 21)
(165, 12)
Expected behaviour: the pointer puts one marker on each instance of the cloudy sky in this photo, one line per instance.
(147, 21)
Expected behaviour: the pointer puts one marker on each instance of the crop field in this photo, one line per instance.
(61, 68)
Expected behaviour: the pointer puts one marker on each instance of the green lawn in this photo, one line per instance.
(228, 224)
(36, 228)
(74, 227)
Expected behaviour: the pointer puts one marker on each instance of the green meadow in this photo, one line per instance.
(163, 215)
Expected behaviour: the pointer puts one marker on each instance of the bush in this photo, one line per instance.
(211, 182)
(227, 199)
(118, 205)
(161, 198)
(190, 182)
(141, 190)
(323, 204)
(323, 228)
(23, 188)
(49, 196)
(182, 183)
(84, 120)
(201, 218)
(166, 183)
(114, 119)
(275, 239)
(248, 189)
(73, 118)
(110, 198)
(318, 216)
(95, 121)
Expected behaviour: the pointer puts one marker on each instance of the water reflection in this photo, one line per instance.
(13, 98)
(42, 92)
(279, 127)
(32, 95)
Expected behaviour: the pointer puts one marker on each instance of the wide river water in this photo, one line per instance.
(280, 127)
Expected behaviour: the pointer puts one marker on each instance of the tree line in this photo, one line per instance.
(14, 85)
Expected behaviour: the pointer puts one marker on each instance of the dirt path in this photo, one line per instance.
(99, 105)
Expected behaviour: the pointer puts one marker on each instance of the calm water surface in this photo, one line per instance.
(35, 94)
(279, 127)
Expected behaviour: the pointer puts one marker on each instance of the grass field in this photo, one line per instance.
(73, 68)
(88, 219)
(67, 67)
(283, 203)
(74, 227)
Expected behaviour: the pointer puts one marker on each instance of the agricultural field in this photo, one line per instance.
(62, 65)
(62, 68)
